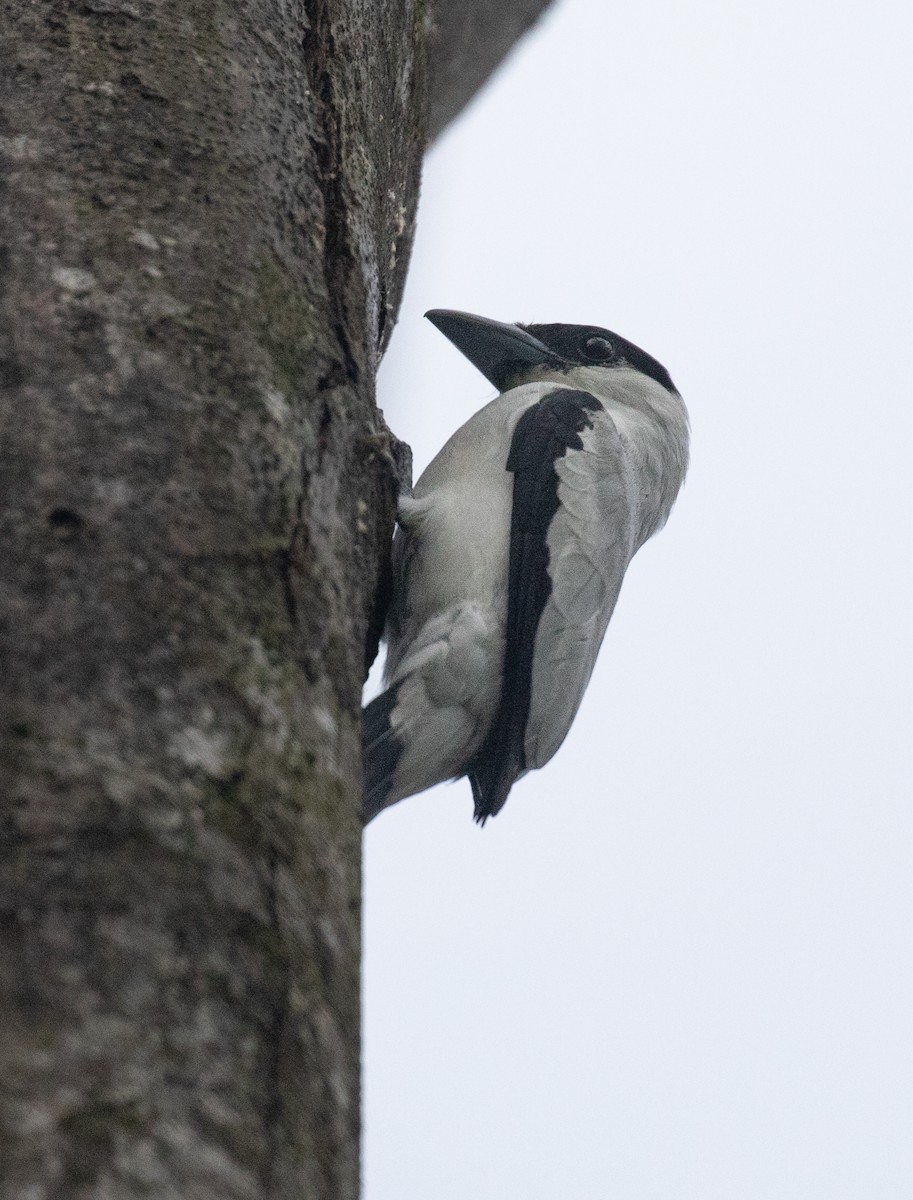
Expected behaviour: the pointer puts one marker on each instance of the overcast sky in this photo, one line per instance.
(677, 966)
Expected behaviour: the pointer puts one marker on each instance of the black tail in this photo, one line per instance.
(494, 771)
(380, 752)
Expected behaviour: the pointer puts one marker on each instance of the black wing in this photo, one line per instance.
(543, 435)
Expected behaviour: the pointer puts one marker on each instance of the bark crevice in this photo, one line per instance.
(319, 53)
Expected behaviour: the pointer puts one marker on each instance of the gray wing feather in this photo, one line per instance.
(591, 541)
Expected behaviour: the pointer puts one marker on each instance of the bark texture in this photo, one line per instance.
(206, 210)
(206, 216)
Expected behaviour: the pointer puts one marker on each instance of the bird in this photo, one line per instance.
(509, 555)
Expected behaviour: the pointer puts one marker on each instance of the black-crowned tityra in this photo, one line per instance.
(510, 555)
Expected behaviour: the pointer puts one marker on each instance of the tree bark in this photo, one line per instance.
(206, 211)
(468, 41)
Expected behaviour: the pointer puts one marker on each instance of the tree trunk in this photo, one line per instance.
(206, 210)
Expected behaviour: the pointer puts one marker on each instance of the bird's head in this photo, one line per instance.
(508, 355)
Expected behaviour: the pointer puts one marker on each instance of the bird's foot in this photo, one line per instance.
(396, 456)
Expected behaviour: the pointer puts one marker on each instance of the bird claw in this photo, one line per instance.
(394, 454)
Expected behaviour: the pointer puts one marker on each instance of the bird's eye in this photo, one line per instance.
(598, 349)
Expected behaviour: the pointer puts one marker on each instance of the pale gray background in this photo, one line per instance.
(678, 965)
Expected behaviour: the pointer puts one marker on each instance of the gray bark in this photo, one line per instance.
(206, 211)
(468, 41)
